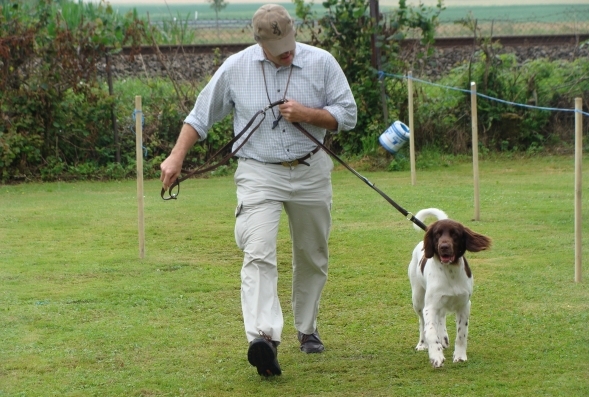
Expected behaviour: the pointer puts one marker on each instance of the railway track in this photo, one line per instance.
(443, 42)
(517, 41)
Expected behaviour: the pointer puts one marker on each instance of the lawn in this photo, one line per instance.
(492, 19)
(555, 12)
(83, 315)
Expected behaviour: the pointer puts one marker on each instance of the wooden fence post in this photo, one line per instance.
(475, 149)
(139, 157)
(578, 185)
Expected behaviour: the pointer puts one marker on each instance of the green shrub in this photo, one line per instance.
(53, 112)
(443, 115)
(56, 116)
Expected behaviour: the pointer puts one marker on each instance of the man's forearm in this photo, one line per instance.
(186, 140)
(322, 118)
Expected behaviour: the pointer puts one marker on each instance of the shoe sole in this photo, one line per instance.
(314, 350)
(261, 356)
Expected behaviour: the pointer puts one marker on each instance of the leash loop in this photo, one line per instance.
(206, 167)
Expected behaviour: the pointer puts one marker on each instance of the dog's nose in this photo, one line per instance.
(445, 247)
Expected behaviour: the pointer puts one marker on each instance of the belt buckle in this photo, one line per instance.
(290, 163)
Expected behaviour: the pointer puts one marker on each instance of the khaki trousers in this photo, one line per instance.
(305, 193)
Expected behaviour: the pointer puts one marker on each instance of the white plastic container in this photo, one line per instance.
(394, 137)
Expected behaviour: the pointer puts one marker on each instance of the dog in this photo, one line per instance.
(441, 283)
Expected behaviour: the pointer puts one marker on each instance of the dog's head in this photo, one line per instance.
(450, 240)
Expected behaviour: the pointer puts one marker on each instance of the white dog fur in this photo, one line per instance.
(441, 283)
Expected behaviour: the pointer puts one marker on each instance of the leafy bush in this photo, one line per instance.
(53, 111)
(443, 116)
(56, 116)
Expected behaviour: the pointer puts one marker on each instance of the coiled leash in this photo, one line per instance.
(207, 167)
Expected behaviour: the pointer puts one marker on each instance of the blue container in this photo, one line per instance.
(394, 137)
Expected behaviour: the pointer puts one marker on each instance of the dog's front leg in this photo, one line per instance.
(444, 332)
(421, 345)
(418, 303)
(462, 318)
(431, 316)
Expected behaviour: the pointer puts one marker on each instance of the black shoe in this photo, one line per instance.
(262, 354)
(311, 343)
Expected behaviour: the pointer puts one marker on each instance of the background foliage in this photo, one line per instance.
(60, 120)
(350, 34)
(444, 115)
(54, 111)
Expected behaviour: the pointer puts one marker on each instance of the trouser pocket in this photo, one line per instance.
(239, 226)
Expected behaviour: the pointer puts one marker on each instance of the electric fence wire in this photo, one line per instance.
(382, 74)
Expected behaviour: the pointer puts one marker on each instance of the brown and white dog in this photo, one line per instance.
(441, 283)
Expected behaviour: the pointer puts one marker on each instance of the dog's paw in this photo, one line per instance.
(421, 346)
(437, 362)
(436, 356)
(459, 358)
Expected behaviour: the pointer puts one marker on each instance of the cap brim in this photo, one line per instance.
(277, 47)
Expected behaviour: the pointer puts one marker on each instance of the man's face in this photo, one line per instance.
(284, 59)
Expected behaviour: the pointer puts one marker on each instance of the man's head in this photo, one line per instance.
(274, 29)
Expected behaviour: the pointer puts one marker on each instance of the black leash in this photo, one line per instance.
(208, 167)
(402, 210)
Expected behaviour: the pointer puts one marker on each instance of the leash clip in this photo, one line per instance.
(410, 217)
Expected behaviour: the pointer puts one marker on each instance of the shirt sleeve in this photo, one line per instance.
(340, 100)
(213, 103)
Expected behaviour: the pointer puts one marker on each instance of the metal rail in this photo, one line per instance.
(443, 42)
(517, 41)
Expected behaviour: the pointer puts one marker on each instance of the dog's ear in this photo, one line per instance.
(428, 243)
(475, 242)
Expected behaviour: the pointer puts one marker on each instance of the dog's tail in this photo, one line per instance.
(424, 213)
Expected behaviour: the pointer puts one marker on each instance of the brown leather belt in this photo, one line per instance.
(296, 162)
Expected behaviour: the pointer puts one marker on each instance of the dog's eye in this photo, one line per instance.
(456, 234)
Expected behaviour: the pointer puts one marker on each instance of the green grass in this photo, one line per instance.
(519, 13)
(556, 12)
(492, 20)
(82, 315)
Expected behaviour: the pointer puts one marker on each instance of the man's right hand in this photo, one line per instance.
(172, 166)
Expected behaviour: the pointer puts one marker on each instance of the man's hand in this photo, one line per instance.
(297, 113)
(293, 111)
(171, 168)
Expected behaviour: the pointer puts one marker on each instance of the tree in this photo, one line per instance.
(218, 5)
(347, 30)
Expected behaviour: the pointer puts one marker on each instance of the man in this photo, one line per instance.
(278, 167)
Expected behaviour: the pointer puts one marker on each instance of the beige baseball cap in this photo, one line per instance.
(274, 29)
